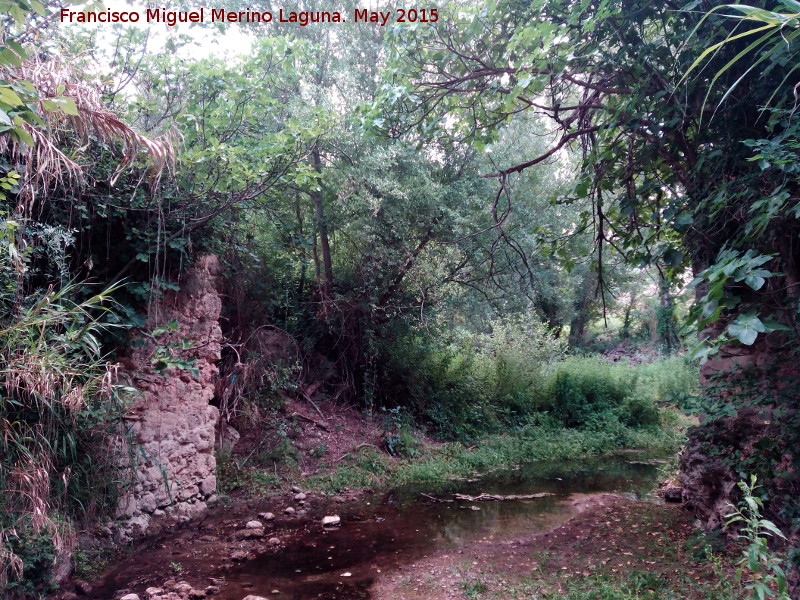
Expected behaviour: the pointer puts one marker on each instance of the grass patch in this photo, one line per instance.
(623, 551)
(233, 476)
(635, 585)
(440, 464)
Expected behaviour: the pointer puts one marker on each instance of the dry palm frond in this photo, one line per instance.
(50, 364)
(46, 165)
(10, 563)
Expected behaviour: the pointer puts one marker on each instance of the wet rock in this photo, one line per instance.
(266, 516)
(239, 555)
(248, 534)
(83, 587)
(331, 521)
(119, 594)
(300, 496)
(254, 525)
(274, 541)
(208, 538)
(152, 592)
(130, 597)
(183, 588)
(212, 589)
(251, 597)
(673, 494)
(289, 510)
(195, 594)
(296, 490)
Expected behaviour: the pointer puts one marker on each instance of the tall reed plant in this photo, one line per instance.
(57, 394)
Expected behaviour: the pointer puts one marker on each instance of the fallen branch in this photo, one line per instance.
(314, 404)
(497, 497)
(434, 498)
(356, 449)
(310, 420)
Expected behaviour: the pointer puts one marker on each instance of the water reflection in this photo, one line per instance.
(403, 528)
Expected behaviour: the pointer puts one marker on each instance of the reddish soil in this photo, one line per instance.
(610, 536)
(320, 439)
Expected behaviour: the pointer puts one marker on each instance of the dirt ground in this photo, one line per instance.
(319, 436)
(611, 537)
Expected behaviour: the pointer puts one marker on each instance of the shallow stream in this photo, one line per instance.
(383, 534)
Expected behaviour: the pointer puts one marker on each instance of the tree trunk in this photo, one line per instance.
(666, 334)
(303, 254)
(626, 322)
(322, 227)
(577, 327)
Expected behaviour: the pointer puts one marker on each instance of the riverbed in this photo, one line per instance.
(380, 534)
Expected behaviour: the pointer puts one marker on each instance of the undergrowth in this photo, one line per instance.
(483, 384)
(439, 464)
(59, 402)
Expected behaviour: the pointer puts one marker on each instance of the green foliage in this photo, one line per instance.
(320, 450)
(36, 550)
(90, 561)
(730, 268)
(772, 31)
(765, 571)
(237, 475)
(18, 97)
(396, 433)
(59, 400)
(583, 392)
(487, 383)
(168, 356)
(587, 392)
(647, 138)
(438, 465)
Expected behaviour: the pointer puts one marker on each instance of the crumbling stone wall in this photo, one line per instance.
(761, 386)
(171, 422)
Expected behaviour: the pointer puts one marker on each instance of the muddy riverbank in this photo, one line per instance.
(291, 555)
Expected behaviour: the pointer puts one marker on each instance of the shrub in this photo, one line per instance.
(58, 400)
(470, 385)
(584, 388)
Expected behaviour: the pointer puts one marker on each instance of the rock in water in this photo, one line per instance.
(331, 521)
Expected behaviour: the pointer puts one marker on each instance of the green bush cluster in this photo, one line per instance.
(439, 465)
(517, 375)
(590, 391)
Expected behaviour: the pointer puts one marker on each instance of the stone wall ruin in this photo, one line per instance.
(171, 421)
